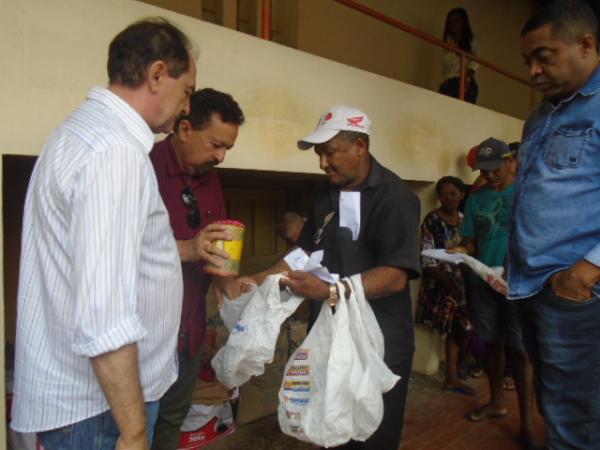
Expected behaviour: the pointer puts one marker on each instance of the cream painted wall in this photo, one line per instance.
(192, 8)
(54, 51)
(418, 133)
(337, 32)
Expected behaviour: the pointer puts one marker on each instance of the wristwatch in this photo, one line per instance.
(334, 296)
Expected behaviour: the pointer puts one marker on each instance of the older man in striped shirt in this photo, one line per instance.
(100, 283)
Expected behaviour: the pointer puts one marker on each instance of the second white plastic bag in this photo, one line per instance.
(252, 340)
(333, 383)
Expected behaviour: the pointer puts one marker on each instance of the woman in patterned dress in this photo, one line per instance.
(442, 299)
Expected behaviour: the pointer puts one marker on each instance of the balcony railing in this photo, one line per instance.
(464, 56)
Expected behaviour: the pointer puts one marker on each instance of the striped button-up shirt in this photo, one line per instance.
(99, 267)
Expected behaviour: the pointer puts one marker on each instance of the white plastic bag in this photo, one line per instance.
(377, 377)
(231, 310)
(321, 372)
(205, 424)
(199, 415)
(251, 343)
(333, 383)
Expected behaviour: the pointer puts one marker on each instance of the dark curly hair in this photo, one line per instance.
(205, 102)
(457, 182)
(135, 48)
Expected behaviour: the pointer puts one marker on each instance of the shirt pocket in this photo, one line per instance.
(566, 146)
(527, 147)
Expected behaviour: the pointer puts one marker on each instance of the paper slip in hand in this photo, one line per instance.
(443, 255)
(314, 259)
(313, 265)
(299, 260)
(491, 275)
(296, 259)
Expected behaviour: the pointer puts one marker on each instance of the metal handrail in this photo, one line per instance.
(436, 41)
(266, 19)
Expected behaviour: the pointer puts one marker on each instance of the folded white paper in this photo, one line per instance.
(299, 260)
(296, 259)
(443, 255)
(350, 212)
(491, 275)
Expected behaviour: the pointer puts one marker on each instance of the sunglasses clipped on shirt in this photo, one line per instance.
(189, 200)
(320, 233)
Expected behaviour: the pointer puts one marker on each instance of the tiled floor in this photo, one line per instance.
(434, 420)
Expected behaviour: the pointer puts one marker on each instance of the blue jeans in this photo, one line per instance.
(563, 341)
(96, 433)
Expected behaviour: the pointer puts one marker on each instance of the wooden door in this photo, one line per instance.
(258, 199)
(258, 209)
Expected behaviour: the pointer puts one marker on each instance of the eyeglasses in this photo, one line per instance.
(320, 233)
(189, 200)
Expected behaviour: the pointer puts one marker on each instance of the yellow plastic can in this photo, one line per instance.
(234, 247)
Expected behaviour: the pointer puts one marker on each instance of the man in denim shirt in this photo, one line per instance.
(555, 230)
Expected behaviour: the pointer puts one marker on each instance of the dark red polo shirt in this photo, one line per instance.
(209, 197)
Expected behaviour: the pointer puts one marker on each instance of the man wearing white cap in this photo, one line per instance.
(366, 221)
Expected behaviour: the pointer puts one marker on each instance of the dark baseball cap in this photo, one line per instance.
(491, 154)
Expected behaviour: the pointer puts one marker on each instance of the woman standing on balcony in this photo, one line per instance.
(458, 33)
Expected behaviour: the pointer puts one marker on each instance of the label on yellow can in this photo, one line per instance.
(234, 248)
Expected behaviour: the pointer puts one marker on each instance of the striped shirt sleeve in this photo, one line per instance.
(107, 230)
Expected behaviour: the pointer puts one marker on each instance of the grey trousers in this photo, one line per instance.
(175, 404)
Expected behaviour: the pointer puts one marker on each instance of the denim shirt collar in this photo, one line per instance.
(593, 84)
(591, 87)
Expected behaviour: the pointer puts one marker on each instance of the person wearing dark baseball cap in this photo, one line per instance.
(366, 221)
(485, 236)
(491, 154)
(494, 160)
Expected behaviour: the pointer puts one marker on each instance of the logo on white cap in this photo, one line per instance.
(326, 117)
(355, 121)
(338, 118)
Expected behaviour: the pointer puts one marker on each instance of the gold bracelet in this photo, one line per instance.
(334, 295)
